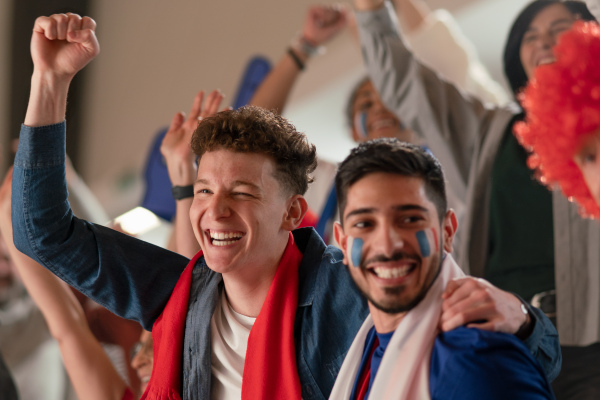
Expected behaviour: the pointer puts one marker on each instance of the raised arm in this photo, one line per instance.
(88, 366)
(452, 122)
(321, 24)
(115, 270)
(181, 164)
(438, 41)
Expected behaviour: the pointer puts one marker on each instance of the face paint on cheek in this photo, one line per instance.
(360, 123)
(426, 238)
(423, 241)
(356, 248)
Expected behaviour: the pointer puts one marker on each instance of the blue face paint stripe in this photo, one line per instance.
(423, 243)
(361, 124)
(356, 252)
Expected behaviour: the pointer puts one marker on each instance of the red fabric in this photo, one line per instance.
(310, 219)
(167, 341)
(270, 366)
(128, 395)
(365, 375)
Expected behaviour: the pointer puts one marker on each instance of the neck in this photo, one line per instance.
(385, 322)
(247, 288)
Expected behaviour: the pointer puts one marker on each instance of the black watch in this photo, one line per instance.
(182, 192)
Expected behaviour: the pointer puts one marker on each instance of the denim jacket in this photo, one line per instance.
(134, 279)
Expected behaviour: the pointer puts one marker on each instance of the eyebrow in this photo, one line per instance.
(370, 210)
(234, 184)
(552, 24)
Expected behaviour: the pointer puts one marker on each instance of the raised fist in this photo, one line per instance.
(324, 22)
(62, 44)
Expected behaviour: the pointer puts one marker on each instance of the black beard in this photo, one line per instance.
(401, 308)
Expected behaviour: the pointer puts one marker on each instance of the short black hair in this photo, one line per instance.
(393, 156)
(513, 68)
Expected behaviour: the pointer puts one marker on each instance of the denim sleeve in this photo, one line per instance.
(130, 277)
(543, 343)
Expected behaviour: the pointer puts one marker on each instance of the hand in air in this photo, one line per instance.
(324, 22)
(62, 44)
(175, 146)
(476, 303)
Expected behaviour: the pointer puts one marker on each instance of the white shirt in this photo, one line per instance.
(229, 332)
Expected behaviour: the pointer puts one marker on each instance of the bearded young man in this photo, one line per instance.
(396, 236)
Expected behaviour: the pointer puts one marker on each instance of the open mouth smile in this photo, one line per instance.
(393, 273)
(224, 238)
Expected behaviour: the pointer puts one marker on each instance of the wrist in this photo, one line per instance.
(47, 99)
(182, 174)
(305, 48)
(182, 192)
(526, 328)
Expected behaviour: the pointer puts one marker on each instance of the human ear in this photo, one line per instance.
(297, 208)
(341, 239)
(450, 225)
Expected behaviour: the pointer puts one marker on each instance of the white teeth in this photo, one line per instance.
(547, 60)
(225, 235)
(223, 243)
(383, 123)
(391, 273)
(145, 379)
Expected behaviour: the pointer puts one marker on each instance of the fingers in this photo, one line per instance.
(197, 106)
(176, 122)
(213, 102)
(70, 27)
(459, 289)
(466, 300)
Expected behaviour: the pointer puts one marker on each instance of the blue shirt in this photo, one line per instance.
(134, 279)
(469, 363)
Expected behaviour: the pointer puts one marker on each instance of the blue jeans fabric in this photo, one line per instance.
(134, 279)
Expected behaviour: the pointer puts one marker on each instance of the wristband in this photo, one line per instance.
(525, 329)
(307, 47)
(296, 59)
(182, 192)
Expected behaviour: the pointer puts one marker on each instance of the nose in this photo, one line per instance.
(219, 206)
(139, 360)
(547, 41)
(388, 240)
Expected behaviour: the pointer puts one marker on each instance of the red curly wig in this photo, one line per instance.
(562, 105)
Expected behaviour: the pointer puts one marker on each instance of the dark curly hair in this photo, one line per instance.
(562, 103)
(256, 130)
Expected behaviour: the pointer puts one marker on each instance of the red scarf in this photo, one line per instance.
(270, 367)
(270, 364)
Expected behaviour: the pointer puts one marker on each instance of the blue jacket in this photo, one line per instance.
(135, 279)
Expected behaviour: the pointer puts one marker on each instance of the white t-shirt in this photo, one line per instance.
(229, 331)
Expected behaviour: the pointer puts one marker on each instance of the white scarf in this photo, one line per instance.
(404, 369)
